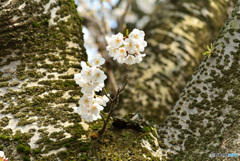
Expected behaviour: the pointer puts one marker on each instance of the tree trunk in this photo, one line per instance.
(177, 35)
(41, 46)
(206, 117)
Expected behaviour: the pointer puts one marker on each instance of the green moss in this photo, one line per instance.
(20, 148)
(38, 108)
(13, 84)
(16, 137)
(7, 78)
(60, 2)
(36, 151)
(4, 84)
(67, 145)
(63, 152)
(51, 76)
(36, 24)
(84, 157)
(147, 129)
(4, 137)
(26, 37)
(25, 149)
(26, 158)
(45, 22)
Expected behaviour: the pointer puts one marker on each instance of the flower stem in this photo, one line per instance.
(114, 103)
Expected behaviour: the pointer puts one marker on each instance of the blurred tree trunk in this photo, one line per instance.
(41, 46)
(177, 33)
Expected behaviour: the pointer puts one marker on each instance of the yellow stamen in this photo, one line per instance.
(86, 101)
(121, 50)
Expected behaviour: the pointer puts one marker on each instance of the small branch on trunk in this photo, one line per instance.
(114, 103)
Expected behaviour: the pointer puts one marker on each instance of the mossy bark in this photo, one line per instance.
(177, 35)
(41, 46)
(206, 117)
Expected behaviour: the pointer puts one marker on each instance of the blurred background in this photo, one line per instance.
(177, 33)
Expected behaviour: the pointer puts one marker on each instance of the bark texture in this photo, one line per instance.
(206, 117)
(177, 34)
(41, 45)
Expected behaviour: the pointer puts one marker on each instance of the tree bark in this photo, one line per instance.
(41, 46)
(177, 35)
(206, 117)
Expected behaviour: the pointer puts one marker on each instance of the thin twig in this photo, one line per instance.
(103, 118)
(114, 103)
(104, 89)
(117, 102)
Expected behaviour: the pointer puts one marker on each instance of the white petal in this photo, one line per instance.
(1, 153)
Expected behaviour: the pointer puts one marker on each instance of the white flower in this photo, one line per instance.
(1, 154)
(98, 76)
(116, 40)
(105, 100)
(87, 88)
(86, 100)
(86, 112)
(79, 80)
(98, 86)
(121, 54)
(91, 79)
(112, 51)
(83, 64)
(97, 61)
(88, 116)
(98, 100)
(102, 100)
(96, 108)
(140, 45)
(138, 57)
(129, 60)
(137, 35)
(86, 72)
(130, 46)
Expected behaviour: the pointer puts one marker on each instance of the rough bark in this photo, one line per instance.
(40, 54)
(206, 117)
(177, 34)
(41, 45)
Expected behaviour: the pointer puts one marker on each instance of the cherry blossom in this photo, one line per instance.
(127, 49)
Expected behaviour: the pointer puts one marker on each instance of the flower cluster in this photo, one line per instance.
(2, 156)
(127, 49)
(91, 80)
